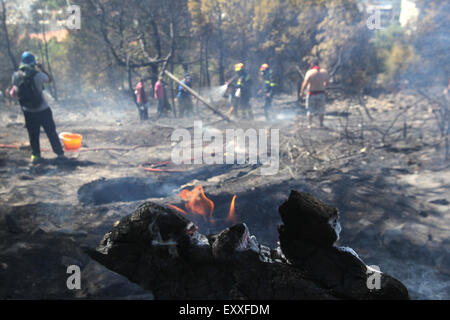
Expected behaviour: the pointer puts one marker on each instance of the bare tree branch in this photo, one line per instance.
(337, 65)
(121, 61)
(5, 31)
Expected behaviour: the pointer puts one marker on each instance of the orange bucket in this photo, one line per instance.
(71, 141)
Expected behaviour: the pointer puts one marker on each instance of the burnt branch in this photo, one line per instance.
(442, 114)
(172, 49)
(337, 65)
(120, 50)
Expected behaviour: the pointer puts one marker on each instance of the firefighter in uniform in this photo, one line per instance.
(243, 91)
(268, 89)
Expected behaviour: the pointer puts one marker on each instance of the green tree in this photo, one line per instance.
(344, 42)
(431, 40)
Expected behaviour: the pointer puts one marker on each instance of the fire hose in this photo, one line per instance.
(21, 146)
(153, 167)
(149, 167)
(11, 146)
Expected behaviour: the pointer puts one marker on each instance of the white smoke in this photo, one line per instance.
(214, 93)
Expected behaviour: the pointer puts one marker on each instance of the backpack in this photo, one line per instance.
(29, 96)
(182, 92)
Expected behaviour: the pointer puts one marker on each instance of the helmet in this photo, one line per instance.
(238, 67)
(28, 58)
(264, 67)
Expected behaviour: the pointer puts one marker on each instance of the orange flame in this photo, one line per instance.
(197, 202)
(177, 209)
(232, 213)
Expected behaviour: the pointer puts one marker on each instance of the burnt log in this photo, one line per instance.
(162, 251)
(307, 239)
(310, 220)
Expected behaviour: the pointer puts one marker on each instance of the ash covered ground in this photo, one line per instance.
(386, 173)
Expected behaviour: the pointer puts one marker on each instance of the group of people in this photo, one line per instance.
(239, 93)
(28, 84)
(163, 106)
(239, 90)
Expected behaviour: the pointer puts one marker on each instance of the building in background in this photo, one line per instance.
(388, 11)
(391, 12)
(409, 13)
(22, 13)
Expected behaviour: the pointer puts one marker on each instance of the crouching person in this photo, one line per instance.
(28, 84)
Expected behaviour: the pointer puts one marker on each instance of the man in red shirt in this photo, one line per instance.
(141, 99)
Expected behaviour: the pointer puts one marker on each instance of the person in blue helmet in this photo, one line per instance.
(27, 85)
(185, 98)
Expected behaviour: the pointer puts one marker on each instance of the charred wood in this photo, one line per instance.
(162, 251)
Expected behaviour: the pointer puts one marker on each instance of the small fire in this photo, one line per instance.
(232, 213)
(197, 203)
(177, 209)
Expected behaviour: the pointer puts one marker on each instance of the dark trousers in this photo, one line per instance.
(245, 108)
(33, 122)
(268, 107)
(161, 108)
(234, 103)
(186, 107)
(143, 111)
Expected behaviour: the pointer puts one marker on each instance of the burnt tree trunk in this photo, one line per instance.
(221, 51)
(130, 83)
(208, 80)
(6, 35)
(200, 81)
(173, 93)
(52, 85)
(157, 46)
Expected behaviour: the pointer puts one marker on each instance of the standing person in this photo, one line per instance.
(142, 101)
(28, 84)
(230, 95)
(160, 96)
(268, 89)
(184, 97)
(243, 91)
(315, 81)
